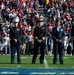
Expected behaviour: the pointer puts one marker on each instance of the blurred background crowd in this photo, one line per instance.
(29, 14)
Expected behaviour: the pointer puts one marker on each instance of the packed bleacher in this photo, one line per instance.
(27, 12)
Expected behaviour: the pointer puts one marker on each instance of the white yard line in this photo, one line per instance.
(18, 66)
(71, 73)
(42, 73)
(9, 73)
(45, 63)
(52, 73)
(24, 57)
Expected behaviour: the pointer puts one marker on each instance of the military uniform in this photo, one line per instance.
(39, 41)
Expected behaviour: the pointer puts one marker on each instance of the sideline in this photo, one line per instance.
(36, 71)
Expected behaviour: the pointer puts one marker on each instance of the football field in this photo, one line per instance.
(27, 68)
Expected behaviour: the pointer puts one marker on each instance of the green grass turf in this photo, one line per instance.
(5, 62)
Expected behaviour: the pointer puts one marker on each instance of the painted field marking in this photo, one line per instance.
(72, 73)
(9, 73)
(18, 66)
(42, 73)
(24, 57)
(36, 71)
(45, 63)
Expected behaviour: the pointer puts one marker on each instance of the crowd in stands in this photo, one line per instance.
(62, 10)
(27, 12)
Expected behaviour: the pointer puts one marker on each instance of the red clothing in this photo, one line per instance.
(11, 1)
(50, 1)
(20, 15)
(4, 1)
(20, 6)
(68, 29)
(32, 31)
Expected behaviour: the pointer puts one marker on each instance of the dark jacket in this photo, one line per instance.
(15, 33)
(72, 31)
(58, 35)
(39, 32)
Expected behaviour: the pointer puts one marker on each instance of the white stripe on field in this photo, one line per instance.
(9, 73)
(45, 63)
(42, 73)
(18, 66)
(71, 73)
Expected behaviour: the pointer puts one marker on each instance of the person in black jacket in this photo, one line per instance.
(58, 35)
(15, 40)
(39, 41)
(72, 36)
